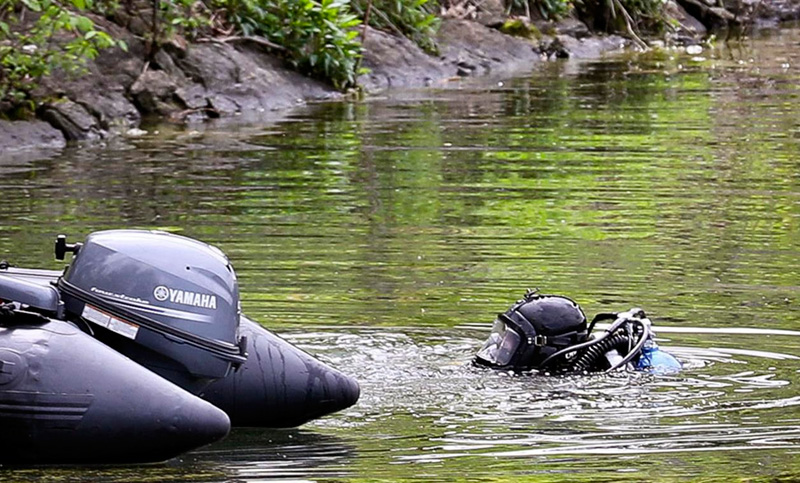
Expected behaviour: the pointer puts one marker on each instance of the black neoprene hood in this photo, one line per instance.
(532, 329)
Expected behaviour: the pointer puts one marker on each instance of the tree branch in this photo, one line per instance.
(244, 38)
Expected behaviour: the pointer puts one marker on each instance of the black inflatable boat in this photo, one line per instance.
(139, 352)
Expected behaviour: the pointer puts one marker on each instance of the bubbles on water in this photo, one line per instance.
(425, 376)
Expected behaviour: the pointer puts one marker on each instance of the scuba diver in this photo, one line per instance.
(549, 334)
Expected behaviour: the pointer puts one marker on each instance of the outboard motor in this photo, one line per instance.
(166, 301)
(171, 304)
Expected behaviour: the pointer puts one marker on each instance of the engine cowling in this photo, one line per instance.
(169, 302)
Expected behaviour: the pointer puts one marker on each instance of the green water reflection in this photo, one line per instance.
(395, 229)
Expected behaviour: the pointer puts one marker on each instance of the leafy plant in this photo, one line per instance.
(185, 17)
(319, 37)
(554, 9)
(414, 19)
(38, 37)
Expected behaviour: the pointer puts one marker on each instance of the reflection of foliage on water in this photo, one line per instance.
(624, 182)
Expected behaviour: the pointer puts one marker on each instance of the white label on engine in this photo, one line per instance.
(93, 315)
(119, 326)
(123, 328)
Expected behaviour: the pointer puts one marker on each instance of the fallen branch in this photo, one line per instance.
(386, 19)
(244, 38)
(628, 24)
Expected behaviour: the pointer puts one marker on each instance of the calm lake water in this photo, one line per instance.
(385, 235)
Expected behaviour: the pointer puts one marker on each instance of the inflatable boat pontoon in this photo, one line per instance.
(139, 352)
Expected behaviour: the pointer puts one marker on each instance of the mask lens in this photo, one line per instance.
(501, 345)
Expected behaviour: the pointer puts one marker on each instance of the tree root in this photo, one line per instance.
(617, 4)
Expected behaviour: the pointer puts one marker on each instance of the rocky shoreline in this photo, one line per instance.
(225, 79)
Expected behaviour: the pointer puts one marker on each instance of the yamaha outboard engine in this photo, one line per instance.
(171, 304)
(166, 301)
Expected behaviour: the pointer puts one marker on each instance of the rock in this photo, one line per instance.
(222, 105)
(688, 26)
(394, 61)
(572, 27)
(491, 13)
(491, 21)
(194, 96)
(164, 61)
(694, 49)
(781, 10)
(711, 17)
(135, 133)
(463, 72)
(154, 93)
(745, 9)
(493, 7)
(723, 15)
(212, 65)
(248, 78)
(17, 136)
(112, 109)
(553, 47)
(486, 49)
(564, 46)
(71, 119)
(138, 27)
(520, 27)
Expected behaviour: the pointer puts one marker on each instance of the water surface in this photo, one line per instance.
(385, 235)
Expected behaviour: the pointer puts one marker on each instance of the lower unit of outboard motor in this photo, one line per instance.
(171, 304)
(548, 333)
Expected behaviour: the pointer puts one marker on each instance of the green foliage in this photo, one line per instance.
(319, 36)
(554, 9)
(414, 19)
(38, 37)
(184, 17)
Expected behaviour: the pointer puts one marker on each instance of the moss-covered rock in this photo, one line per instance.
(519, 27)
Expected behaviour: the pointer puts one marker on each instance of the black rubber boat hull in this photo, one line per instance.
(280, 386)
(66, 398)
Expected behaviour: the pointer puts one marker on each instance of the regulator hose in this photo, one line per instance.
(591, 342)
(572, 348)
(590, 356)
(646, 335)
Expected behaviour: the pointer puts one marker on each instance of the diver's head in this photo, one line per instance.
(531, 330)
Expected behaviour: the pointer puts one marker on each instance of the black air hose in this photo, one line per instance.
(589, 358)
